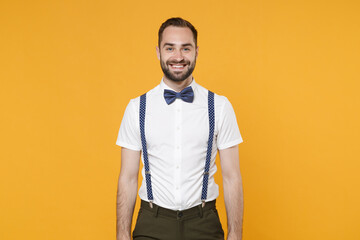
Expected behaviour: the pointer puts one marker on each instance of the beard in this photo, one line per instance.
(177, 77)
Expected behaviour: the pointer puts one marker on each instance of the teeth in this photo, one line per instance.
(177, 66)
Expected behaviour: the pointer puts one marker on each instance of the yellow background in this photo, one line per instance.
(290, 69)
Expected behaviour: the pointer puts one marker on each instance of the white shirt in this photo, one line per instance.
(177, 136)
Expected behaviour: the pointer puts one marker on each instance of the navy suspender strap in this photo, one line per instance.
(209, 148)
(211, 110)
(144, 149)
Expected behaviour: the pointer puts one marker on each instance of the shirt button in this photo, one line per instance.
(177, 166)
(178, 110)
(178, 128)
(177, 147)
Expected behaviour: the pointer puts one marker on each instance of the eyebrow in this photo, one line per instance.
(183, 45)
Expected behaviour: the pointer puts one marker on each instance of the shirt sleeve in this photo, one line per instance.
(129, 133)
(228, 130)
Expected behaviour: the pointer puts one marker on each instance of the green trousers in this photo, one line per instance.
(197, 223)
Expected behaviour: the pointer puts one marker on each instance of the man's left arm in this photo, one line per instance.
(233, 191)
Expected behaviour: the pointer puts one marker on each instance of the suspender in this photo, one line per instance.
(144, 148)
(208, 153)
(209, 148)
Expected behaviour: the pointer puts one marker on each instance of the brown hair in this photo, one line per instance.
(177, 22)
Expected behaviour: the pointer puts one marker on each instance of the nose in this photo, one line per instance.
(178, 55)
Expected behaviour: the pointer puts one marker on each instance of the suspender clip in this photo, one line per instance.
(148, 172)
(151, 204)
(203, 204)
(206, 173)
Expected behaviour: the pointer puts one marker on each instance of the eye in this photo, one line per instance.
(186, 49)
(169, 49)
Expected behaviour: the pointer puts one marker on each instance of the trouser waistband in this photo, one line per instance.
(197, 210)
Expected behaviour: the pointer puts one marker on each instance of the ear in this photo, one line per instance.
(158, 52)
(197, 51)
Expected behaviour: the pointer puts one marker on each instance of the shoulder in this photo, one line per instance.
(218, 98)
(135, 102)
(223, 106)
(220, 101)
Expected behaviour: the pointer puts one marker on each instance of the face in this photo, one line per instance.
(177, 53)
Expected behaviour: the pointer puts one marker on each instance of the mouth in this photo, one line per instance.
(177, 66)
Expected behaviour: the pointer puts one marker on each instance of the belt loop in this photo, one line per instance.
(200, 211)
(156, 210)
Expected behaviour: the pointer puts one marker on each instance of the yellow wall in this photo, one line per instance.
(290, 69)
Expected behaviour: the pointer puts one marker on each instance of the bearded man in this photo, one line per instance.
(177, 128)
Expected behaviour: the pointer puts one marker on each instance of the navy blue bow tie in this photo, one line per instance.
(187, 95)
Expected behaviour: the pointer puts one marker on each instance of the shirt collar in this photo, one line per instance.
(163, 85)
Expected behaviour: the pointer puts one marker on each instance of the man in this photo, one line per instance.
(177, 128)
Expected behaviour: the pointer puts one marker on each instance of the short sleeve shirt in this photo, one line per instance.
(177, 138)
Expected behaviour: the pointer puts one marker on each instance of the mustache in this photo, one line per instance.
(178, 62)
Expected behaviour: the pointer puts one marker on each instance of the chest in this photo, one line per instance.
(180, 124)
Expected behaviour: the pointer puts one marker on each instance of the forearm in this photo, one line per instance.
(234, 203)
(233, 192)
(126, 198)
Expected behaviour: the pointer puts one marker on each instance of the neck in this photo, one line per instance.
(178, 86)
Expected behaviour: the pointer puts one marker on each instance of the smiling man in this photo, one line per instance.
(177, 129)
(177, 65)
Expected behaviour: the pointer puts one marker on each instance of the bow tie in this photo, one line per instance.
(187, 95)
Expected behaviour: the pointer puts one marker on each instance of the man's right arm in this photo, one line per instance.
(126, 194)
